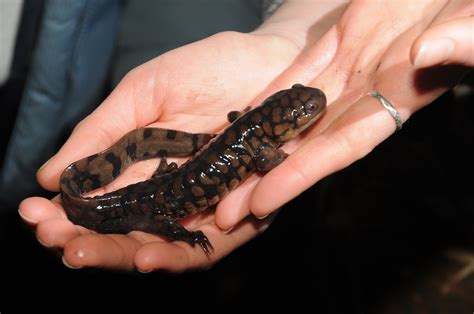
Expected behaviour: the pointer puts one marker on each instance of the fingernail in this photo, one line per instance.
(263, 217)
(70, 266)
(44, 243)
(25, 218)
(144, 271)
(434, 52)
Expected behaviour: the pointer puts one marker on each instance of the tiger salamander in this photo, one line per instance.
(219, 164)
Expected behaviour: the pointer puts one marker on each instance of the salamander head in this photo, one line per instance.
(294, 110)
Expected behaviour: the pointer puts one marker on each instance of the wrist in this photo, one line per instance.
(302, 22)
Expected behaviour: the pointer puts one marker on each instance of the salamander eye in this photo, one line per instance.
(309, 107)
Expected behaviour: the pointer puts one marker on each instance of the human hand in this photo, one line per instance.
(370, 48)
(192, 89)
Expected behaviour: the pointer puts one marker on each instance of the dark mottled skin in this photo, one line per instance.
(250, 144)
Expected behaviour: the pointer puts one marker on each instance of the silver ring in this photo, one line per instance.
(387, 105)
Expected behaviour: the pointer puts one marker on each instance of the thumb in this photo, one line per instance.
(445, 43)
(120, 113)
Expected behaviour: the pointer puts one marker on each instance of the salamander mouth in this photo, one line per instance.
(311, 122)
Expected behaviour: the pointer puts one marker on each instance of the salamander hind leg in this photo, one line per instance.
(164, 168)
(170, 228)
(196, 237)
(268, 157)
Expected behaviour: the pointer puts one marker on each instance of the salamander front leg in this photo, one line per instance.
(234, 115)
(268, 157)
(159, 224)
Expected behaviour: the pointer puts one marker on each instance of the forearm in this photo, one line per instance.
(303, 21)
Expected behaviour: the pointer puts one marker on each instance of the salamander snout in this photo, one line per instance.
(307, 104)
(293, 110)
(313, 99)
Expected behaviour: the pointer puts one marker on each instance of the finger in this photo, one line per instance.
(348, 139)
(117, 115)
(178, 257)
(446, 43)
(198, 220)
(58, 232)
(110, 251)
(34, 210)
(234, 206)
